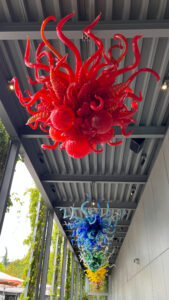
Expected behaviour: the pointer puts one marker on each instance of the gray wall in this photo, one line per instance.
(148, 240)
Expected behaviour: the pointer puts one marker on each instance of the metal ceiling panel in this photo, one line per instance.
(116, 172)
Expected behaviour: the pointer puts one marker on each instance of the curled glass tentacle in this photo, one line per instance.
(47, 43)
(112, 266)
(84, 211)
(92, 220)
(81, 107)
(110, 238)
(108, 210)
(98, 205)
(72, 214)
(65, 213)
(98, 54)
(68, 43)
(87, 196)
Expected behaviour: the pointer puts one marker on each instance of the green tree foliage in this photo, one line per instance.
(55, 233)
(4, 146)
(34, 243)
(2, 268)
(68, 275)
(5, 260)
(58, 267)
(16, 268)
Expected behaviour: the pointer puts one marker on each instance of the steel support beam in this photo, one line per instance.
(81, 284)
(62, 288)
(7, 179)
(117, 234)
(46, 256)
(112, 205)
(72, 277)
(31, 254)
(40, 265)
(146, 132)
(131, 179)
(150, 29)
(123, 224)
(55, 263)
(109, 287)
(77, 283)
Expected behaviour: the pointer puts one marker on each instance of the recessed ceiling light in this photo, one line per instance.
(11, 86)
(164, 86)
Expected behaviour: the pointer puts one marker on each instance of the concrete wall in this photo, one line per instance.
(148, 240)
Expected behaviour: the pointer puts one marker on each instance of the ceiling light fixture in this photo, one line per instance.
(133, 189)
(143, 159)
(165, 84)
(11, 87)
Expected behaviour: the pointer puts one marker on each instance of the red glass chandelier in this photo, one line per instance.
(79, 108)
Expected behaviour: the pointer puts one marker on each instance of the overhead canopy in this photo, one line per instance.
(118, 174)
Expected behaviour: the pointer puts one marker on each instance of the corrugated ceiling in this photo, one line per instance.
(113, 174)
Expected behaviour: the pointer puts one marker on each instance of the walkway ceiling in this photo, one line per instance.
(118, 174)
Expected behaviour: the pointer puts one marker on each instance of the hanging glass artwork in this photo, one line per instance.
(80, 108)
(91, 233)
(97, 277)
(94, 230)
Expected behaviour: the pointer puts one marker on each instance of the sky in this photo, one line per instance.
(16, 226)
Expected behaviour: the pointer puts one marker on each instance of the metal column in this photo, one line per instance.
(77, 283)
(55, 262)
(81, 274)
(41, 258)
(7, 179)
(46, 256)
(72, 277)
(31, 255)
(109, 287)
(63, 269)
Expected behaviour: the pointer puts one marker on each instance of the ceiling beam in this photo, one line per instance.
(117, 234)
(131, 179)
(124, 223)
(150, 132)
(112, 204)
(150, 29)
